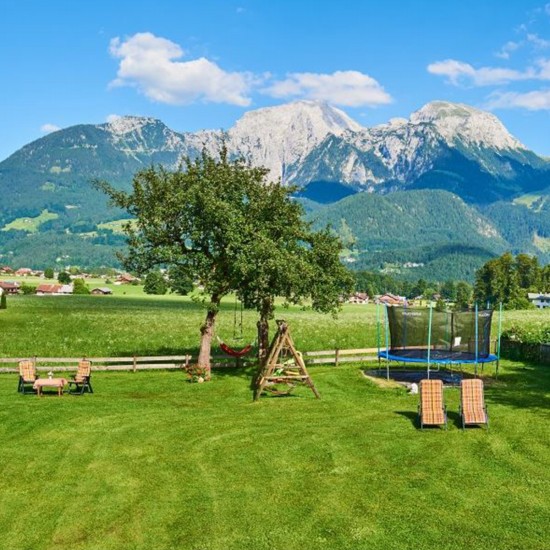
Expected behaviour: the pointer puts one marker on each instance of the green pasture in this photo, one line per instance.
(131, 322)
(150, 461)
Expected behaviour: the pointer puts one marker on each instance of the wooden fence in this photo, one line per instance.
(152, 362)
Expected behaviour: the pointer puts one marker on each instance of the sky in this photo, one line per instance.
(201, 64)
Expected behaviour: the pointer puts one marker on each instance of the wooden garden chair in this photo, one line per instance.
(27, 375)
(432, 410)
(81, 380)
(473, 409)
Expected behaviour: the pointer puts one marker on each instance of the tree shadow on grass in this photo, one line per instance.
(412, 416)
(522, 386)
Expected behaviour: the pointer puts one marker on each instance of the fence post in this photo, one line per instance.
(135, 363)
(337, 357)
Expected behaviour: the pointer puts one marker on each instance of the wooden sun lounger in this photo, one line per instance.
(472, 403)
(432, 411)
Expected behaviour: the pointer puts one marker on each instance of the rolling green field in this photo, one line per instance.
(150, 461)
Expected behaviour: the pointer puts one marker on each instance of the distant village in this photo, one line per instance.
(15, 287)
(56, 289)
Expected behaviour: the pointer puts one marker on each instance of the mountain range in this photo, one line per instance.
(449, 184)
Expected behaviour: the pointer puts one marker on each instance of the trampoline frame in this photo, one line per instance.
(429, 359)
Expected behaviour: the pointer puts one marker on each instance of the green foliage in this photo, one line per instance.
(64, 277)
(49, 273)
(533, 333)
(3, 301)
(463, 295)
(179, 281)
(27, 289)
(80, 287)
(507, 279)
(155, 283)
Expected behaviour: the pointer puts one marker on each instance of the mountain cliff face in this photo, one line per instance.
(442, 146)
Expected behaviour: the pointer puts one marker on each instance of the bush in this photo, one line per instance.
(27, 289)
(3, 301)
(155, 283)
(64, 278)
(80, 287)
(529, 334)
(48, 273)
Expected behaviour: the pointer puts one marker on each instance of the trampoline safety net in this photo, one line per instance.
(452, 338)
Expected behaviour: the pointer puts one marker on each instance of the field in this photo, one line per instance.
(150, 461)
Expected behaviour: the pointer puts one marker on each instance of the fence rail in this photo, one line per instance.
(157, 362)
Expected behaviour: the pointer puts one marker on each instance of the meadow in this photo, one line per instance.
(150, 461)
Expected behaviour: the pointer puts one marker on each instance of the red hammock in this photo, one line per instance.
(234, 352)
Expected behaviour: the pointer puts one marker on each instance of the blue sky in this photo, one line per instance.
(202, 64)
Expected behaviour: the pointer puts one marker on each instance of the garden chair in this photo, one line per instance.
(472, 403)
(81, 380)
(432, 411)
(27, 375)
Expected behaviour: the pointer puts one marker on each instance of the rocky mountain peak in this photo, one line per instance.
(128, 124)
(279, 137)
(456, 121)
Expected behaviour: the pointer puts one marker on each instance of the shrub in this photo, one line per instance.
(27, 289)
(80, 287)
(3, 301)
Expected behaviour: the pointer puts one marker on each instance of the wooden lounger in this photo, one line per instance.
(432, 411)
(472, 403)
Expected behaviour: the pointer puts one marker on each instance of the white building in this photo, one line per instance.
(539, 300)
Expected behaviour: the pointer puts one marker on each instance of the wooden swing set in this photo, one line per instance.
(284, 368)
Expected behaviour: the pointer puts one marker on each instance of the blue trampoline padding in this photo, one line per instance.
(436, 356)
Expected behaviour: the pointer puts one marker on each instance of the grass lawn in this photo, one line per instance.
(152, 462)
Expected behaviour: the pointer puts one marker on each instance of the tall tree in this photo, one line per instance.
(220, 223)
(194, 221)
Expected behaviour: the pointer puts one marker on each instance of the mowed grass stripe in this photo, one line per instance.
(150, 461)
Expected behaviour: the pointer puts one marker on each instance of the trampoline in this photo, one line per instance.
(436, 338)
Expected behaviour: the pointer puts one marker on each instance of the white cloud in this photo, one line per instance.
(48, 128)
(459, 73)
(112, 118)
(349, 88)
(507, 49)
(533, 101)
(149, 63)
(538, 42)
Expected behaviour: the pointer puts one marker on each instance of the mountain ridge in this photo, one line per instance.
(442, 146)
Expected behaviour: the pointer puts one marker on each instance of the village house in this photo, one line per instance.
(6, 270)
(539, 300)
(391, 299)
(9, 287)
(53, 290)
(359, 298)
(24, 272)
(101, 291)
(125, 279)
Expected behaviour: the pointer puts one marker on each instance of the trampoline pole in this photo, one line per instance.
(429, 336)
(499, 335)
(387, 344)
(378, 333)
(477, 336)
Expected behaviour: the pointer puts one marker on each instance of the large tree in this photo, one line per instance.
(194, 221)
(220, 223)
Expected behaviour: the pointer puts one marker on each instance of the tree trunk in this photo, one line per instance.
(207, 333)
(263, 331)
(263, 340)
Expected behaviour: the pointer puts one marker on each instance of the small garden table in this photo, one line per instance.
(58, 383)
